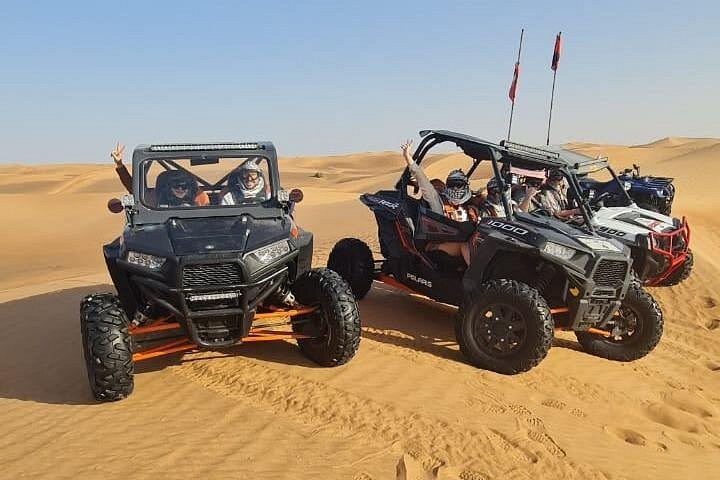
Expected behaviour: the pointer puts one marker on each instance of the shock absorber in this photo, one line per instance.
(546, 272)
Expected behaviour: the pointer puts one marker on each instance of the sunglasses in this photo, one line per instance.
(250, 176)
(180, 186)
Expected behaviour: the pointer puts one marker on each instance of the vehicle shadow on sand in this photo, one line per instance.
(42, 356)
(417, 323)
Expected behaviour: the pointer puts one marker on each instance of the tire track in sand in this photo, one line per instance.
(336, 411)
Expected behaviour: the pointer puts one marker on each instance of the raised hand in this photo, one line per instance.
(117, 154)
(407, 150)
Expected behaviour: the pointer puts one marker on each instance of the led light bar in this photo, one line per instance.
(204, 146)
(528, 149)
(213, 296)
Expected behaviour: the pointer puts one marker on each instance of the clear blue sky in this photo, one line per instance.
(323, 77)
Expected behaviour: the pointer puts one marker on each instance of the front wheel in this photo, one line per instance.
(636, 329)
(334, 328)
(682, 273)
(504, 326)
(108, 347)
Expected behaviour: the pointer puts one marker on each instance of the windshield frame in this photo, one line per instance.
(271, 208)
(178, 162)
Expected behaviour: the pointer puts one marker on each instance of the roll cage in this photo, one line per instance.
(506, 153)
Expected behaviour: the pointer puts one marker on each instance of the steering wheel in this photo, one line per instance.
(597, 201)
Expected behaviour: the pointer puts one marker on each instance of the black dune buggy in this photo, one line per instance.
(528, 274)
(202, 263)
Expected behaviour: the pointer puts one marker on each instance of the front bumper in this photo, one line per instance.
(670, 249)
(215, 310)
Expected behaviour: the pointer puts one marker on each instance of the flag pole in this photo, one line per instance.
(556, 59)
(514, 84)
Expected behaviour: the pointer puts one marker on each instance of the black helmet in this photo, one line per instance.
(457, 188)
(178, 180)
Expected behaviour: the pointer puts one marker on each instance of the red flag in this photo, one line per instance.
(556, 53)
(513, 85)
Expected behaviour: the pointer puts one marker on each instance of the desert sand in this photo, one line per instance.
(407, 406)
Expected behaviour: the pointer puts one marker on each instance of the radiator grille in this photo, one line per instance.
(214, 274)
(610, 273)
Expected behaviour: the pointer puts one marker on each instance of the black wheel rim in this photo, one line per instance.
(316, 325)
(499, 330)
(626, 326)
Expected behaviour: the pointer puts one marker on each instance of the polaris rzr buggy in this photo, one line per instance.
(659, 244)
(528, 273)
(650, 193)
(210, 258)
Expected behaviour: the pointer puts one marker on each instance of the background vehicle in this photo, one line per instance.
(650, 193)
(528, 273)
(660, 244)
(203, 274)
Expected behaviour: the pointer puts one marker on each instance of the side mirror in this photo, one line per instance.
(296, 195)
(115, 205)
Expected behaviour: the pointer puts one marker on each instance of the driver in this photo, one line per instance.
(452, 201)
(553, 196)
(177, 188)
(245, 184)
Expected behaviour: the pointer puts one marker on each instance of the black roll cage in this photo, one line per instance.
(505, 153)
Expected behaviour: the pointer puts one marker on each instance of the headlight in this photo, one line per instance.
(266, 255)
(627, 186)
(599, 244)
(559, 251)
(660, 192)
(145, 260)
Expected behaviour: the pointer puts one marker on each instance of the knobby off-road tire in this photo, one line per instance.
(639, 307)
(107, 346)
(682, 273)
(353, 260)
(335, 326)
(493, 307)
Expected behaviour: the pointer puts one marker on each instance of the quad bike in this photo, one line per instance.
(528, 274)
(210, 274)
(649, 193)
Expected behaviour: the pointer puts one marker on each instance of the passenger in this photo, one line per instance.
(553, 196)
(492, 206)
(452, 202)
(153, 196)
(245, 184)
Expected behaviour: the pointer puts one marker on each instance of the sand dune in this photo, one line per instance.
(406, 406)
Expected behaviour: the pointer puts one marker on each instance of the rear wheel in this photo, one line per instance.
(504, 326)
(681, 273)
(353, 260)
(636, 329)
(334, 328)
(107, 346)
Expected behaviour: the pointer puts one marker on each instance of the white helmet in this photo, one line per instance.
(249, 179)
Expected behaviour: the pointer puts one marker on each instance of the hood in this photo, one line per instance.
(221, 234)
(634, 220)
(548, 228)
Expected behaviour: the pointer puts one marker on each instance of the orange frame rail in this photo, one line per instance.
(184, 344)
(381, 277)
